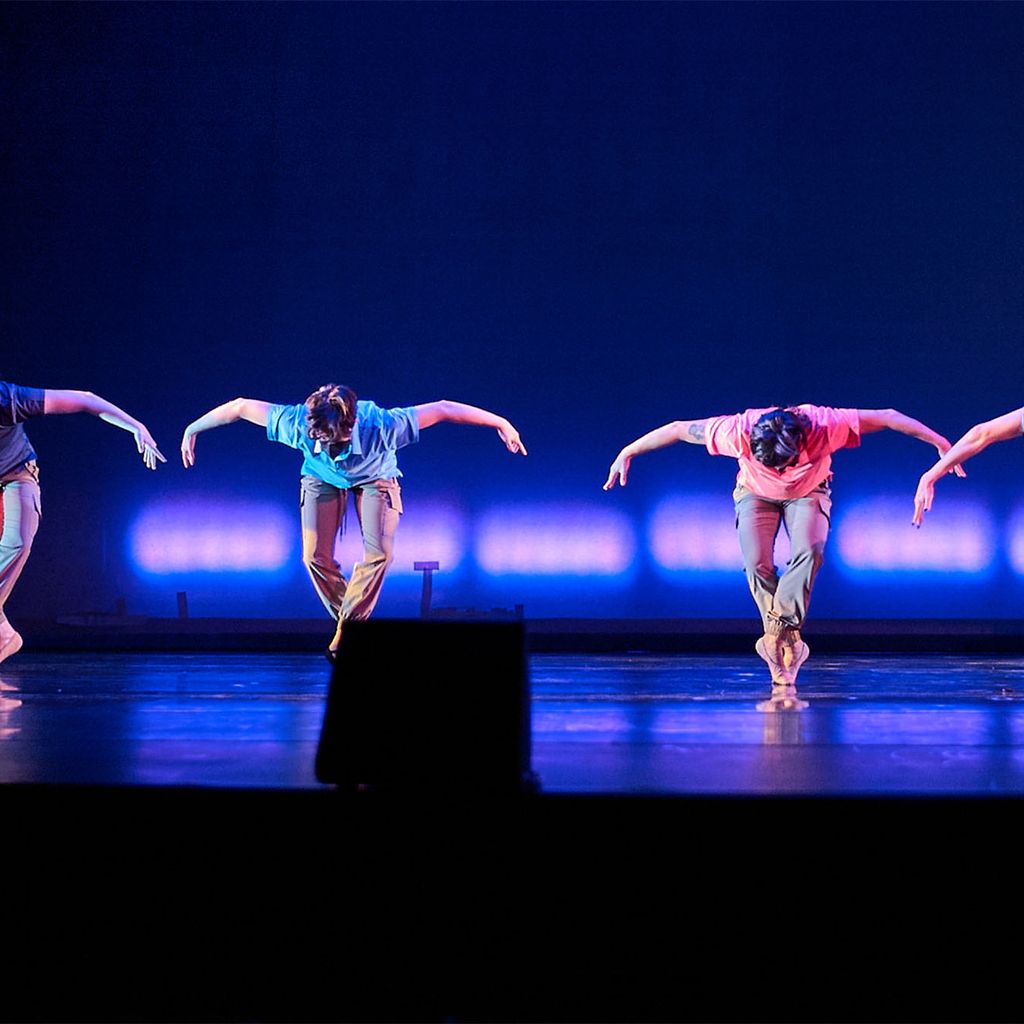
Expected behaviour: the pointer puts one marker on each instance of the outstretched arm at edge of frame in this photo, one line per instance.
(979, 437)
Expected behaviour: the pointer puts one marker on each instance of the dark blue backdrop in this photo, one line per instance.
(594, 218)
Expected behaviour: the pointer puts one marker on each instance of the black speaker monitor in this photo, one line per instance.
(427, 704)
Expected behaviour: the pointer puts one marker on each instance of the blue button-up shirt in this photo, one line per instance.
(376, 437)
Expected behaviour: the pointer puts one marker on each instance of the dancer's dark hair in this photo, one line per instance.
(778, 436)
(331, 413)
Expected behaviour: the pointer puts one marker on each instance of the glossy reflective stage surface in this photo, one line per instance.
(874, 725)
(614, 724)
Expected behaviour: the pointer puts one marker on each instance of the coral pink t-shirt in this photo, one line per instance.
(831, 429)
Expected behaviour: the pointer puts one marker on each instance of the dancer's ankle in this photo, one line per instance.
(336, 641)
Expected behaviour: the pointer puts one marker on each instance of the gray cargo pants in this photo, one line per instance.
(21, 512)
(378, 507)
(782, 600)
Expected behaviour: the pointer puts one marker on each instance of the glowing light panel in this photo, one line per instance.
(554, 540)
(876, 535)
(212, 535)
(426, 533)
(1015, 541)
(698, 533)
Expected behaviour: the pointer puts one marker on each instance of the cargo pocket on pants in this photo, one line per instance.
(393, 492)
(825, 505)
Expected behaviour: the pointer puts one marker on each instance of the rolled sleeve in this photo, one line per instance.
(286, 424)
(723, 435)
(846, 431)
(399, 427)
(20, 403)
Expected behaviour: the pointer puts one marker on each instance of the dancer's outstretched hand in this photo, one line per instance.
(188, 449)
(147, 447)
(923, 499)
(511, 439)
(926, 486)
(942, 449)
(618, 471)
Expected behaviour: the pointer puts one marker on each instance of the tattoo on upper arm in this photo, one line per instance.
(696, 431)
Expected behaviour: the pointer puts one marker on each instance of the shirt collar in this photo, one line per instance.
(354, 446)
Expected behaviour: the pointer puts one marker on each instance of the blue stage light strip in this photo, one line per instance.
(876, 536)
(697, 533)
(558, 539)
(564, 543)
(199, 535)
(1015, 540)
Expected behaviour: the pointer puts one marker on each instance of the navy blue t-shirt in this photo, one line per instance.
(16, 405)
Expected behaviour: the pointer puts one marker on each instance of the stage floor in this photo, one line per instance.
(677, 724)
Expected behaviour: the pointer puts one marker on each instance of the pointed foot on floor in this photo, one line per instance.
(10, 645)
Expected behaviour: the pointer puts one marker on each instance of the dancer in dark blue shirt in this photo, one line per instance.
(19, 476)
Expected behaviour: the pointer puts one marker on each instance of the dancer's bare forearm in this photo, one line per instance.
(63, 402)
(690, 431)
(249, 409)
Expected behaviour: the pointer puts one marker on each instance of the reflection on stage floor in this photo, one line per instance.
(677, 724)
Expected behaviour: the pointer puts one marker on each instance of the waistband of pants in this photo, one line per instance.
(740, 492)
(28, 470)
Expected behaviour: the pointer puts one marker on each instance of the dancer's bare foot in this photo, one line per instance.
(783, 655)
(332, 647)
(10, 644)
(766, 649)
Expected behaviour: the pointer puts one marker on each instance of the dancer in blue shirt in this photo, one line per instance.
(347, 445)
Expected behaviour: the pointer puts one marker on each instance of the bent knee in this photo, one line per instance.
(762, 570)
(314, 562)
(813, 553)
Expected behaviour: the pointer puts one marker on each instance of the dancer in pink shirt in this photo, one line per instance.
(785, 472)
